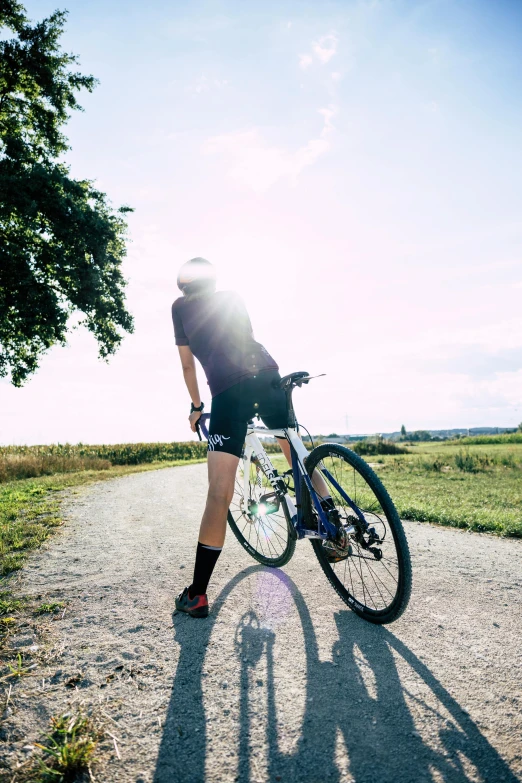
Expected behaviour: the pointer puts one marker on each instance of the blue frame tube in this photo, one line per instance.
(350, 502)
(296, 470)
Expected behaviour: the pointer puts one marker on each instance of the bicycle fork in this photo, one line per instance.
(255, 448)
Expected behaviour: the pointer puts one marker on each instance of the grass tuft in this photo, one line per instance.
(19, 670)
(51, 608)
(8, 604)
(68, 751)
(471, 463)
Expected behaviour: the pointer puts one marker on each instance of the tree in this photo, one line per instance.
(419, 435)
(61, 243)
(403, 431)
(520, 427)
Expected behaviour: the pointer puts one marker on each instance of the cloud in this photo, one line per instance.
(253, 162)
(335, 76)
(323, 50)
(477, 362)
(328, 115)
(326, 47)
(204, 84)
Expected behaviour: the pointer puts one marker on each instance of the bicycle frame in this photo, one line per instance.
(299, 452)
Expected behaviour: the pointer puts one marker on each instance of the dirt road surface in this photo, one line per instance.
(282, 682)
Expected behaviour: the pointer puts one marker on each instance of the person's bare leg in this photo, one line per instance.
(222, 469)
(318, 482)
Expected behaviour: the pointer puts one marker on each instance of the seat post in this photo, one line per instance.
(292, 421)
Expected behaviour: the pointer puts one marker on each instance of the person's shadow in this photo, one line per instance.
(357, 699)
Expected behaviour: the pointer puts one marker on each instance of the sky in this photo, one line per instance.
(354, 171)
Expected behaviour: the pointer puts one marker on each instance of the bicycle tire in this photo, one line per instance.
(276, 560)
(404, 582)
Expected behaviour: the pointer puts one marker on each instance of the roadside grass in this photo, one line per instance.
(477, 488)
(481, 501)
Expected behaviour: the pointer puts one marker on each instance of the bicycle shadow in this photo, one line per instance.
(356, 700)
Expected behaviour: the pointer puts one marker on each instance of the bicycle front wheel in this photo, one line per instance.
(369, 563)
(258, 519)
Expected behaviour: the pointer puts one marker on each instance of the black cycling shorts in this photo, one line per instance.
(235, 407)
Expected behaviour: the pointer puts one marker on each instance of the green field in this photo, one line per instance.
(476, 487)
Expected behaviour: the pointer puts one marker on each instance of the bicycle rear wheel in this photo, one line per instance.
(260, 520)
(369, 563)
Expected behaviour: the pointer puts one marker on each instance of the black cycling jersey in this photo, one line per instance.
(218, 331)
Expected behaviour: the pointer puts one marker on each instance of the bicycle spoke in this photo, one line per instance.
(265, 534)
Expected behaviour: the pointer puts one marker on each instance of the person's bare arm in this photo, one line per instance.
(189, 374)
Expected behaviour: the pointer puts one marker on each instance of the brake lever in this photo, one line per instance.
(198, 430)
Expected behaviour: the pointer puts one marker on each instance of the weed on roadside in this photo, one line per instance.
(19, 669)
(52, 608)
(471, 463)
(67, 753)
(9, 605)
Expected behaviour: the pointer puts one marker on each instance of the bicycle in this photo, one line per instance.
(357, 537)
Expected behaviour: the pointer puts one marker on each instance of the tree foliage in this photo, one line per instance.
(61, 242)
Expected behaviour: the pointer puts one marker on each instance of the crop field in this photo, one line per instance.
(19, 462)
(473, 486)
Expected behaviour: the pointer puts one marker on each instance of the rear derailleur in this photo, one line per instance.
(354, 528)
(367, 538)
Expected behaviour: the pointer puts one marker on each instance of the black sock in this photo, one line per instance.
(206, 559)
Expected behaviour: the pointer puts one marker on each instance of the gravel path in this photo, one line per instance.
(282, 682)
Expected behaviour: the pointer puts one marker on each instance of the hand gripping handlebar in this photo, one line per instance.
(201, 426)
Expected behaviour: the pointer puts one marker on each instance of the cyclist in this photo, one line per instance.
(214, 327)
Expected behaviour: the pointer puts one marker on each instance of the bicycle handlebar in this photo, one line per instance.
(201, 426)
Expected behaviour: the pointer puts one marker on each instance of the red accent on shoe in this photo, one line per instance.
(202, 600)
(197, 606)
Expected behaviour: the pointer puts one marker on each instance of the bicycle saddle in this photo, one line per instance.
(294, 379)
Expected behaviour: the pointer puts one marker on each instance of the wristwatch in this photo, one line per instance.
(193, 408)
